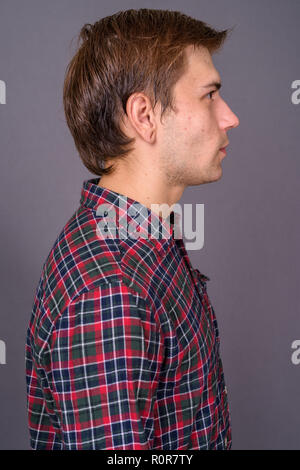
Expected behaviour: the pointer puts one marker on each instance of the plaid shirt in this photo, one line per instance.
(122, 348)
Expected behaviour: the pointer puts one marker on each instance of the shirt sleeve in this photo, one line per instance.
(103, 366)
(41, 421)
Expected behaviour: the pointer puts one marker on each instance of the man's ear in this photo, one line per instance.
(141, 116)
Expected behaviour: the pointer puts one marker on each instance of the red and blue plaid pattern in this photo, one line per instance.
(122, 348)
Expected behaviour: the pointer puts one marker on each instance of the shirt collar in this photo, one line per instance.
(129, 213)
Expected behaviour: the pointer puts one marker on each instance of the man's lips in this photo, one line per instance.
(223, 149)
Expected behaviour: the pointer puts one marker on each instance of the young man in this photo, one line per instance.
(123, 349)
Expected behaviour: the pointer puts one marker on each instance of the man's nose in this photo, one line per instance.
(230, 119)
(236, 121)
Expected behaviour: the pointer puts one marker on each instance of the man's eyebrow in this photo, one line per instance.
(216, 84)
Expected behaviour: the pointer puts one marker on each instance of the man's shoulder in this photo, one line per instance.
(80, 261)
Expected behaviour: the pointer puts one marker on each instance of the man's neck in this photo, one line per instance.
(145, 191)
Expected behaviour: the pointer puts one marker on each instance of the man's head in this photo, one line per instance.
(136, 93)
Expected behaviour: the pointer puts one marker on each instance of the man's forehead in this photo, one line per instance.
(200, 67)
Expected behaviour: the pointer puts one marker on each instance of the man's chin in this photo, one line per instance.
(215, 176)
(219, 176)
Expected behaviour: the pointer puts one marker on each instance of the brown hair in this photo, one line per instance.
(130, 51)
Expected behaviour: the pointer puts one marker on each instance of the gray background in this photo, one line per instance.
(251, 215)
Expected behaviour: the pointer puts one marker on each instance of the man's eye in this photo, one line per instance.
(210, 94)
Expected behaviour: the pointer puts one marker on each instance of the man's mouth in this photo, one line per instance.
(223, 149)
